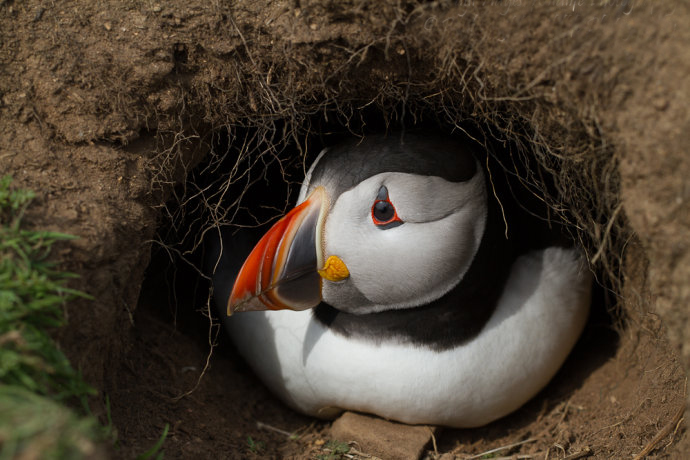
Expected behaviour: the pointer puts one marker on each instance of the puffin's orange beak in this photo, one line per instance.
(282, 271)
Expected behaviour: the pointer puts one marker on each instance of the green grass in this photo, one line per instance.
(155, 451)
(335, 450)
(36, 379)
(255, 446)
(35, 426)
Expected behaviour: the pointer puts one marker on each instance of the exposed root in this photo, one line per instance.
(671, 426)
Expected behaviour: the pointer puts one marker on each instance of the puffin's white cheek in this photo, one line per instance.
(405, 266)
(413, 264)
(346, 295)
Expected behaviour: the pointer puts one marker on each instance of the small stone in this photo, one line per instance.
(107, 26)
(157, 8)
(384, 439)
(660, 103)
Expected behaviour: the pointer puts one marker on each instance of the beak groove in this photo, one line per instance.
(281, 272)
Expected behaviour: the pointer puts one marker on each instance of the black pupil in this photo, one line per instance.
(383, 211)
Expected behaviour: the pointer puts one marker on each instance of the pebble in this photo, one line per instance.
(382, 438)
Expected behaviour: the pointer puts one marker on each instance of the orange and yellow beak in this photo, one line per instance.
(285, 269)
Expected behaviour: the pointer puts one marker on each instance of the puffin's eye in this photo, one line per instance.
(383, 212)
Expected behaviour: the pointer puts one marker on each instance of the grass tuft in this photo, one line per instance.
(334, 450)
(35, 426)
(155, 451)
(255, 446)
(36, 379)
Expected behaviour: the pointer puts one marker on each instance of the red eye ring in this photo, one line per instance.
(383, 212)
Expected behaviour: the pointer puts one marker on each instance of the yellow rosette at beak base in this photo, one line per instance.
(334, 269)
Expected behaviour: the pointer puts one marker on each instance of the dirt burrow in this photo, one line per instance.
(106, 108)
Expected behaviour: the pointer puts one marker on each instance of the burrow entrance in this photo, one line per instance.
(184, 372)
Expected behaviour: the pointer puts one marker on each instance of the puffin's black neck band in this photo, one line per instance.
(449, 321)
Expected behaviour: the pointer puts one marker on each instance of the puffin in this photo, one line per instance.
(395, 287)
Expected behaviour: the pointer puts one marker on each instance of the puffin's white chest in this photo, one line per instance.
(539, 316)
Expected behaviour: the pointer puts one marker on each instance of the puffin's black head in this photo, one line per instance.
(385, 223)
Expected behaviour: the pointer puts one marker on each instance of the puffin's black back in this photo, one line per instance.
(347, 164)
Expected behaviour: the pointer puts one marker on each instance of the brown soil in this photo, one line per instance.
(106, 108)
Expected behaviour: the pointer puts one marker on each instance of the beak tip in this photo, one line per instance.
(238, 302)
(230, 309)
(247, 302)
